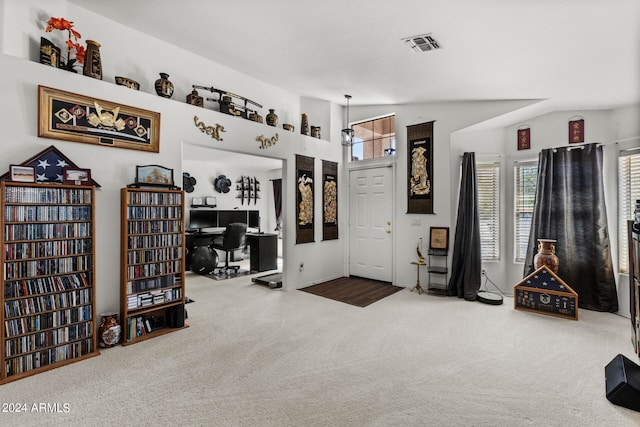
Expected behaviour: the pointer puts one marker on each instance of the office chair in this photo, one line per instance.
(233, 239)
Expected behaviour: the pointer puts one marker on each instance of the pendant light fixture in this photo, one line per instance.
(347, 133)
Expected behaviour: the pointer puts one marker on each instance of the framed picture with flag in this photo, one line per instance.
(78, 118)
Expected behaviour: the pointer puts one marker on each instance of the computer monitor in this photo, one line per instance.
(227, 217)
(254, 219)
(203, 218)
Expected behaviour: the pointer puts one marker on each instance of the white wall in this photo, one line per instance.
(114, 168)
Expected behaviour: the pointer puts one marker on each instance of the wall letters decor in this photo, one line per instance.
(420, 168)
(329, 200)
(304, 199)
(71, 117)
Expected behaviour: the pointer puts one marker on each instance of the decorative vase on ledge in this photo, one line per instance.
(92, 62)
(546, 255)
(164, 87)
(304, 125)
(272, 118)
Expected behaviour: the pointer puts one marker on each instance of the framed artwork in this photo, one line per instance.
(524, 139)
(196, 201)
(154, 175)
(576, 131)
(211, 201)
(439, 238)
(420, 168)
(329, 200)
(76, 176)
(77, 118)
(18, 173)
(49, 53)
(304, 199)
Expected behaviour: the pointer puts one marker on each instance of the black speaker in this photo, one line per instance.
(623, 382)
(175, 316)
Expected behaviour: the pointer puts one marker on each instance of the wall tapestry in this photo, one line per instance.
(71, 117)
(420, 168)
(329, 200)
(304, 199)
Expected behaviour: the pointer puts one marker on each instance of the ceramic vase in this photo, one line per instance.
(304, 125)
(546, 255)
(315, 131)
(92, 63)
(164, 87)
(272, 118)
(109, 331)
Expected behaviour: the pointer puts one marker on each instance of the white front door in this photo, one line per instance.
(370, 226)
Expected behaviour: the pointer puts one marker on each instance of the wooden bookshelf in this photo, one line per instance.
(48, 280)
(152, 263)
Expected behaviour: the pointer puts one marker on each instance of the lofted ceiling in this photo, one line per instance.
(574, 54)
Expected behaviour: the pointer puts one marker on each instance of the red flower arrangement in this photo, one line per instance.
(72, 41)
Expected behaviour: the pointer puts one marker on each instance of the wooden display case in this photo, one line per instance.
(152, 263)
(48, 284)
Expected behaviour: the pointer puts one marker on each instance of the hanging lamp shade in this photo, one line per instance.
(347, 133)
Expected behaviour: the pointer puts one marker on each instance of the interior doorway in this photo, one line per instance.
(249, 189)
(371, 224)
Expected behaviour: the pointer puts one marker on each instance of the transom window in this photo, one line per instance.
(374, 138)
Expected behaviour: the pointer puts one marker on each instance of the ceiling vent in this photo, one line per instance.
(422, 42)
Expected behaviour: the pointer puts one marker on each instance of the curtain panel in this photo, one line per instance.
(570, 208)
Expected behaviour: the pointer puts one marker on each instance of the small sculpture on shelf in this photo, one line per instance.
(163, 86)
(272, 118)
(195, 99)
(92, 62)
(304, 125)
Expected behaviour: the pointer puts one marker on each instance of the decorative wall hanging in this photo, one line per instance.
(49, 165)
(248, 189)
(222, 184)
(576, 130)
(71, 117)
(304, 199)
(524, 138)
(213, 132)
(420, 168)
(188, 182)
(266, 142)
(329, 200)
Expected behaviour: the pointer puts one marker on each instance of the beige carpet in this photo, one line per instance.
(254, 356)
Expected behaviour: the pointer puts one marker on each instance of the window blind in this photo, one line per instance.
(628, 193)
(489, 209)
(525, 175)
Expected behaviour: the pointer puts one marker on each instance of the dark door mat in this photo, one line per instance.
(353, 290)
(273, 280)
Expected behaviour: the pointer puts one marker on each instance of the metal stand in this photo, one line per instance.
(417, 287)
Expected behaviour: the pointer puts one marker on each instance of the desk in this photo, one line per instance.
(263, 249)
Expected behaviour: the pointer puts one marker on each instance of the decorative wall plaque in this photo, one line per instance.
(329, 200)
(420, 168)
(304, 199)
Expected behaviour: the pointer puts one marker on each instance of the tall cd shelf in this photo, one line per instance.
(152, 264)
(48, 277)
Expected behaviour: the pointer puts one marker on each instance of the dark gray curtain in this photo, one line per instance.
(277, 201)
(467, 255)
(570, 208)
